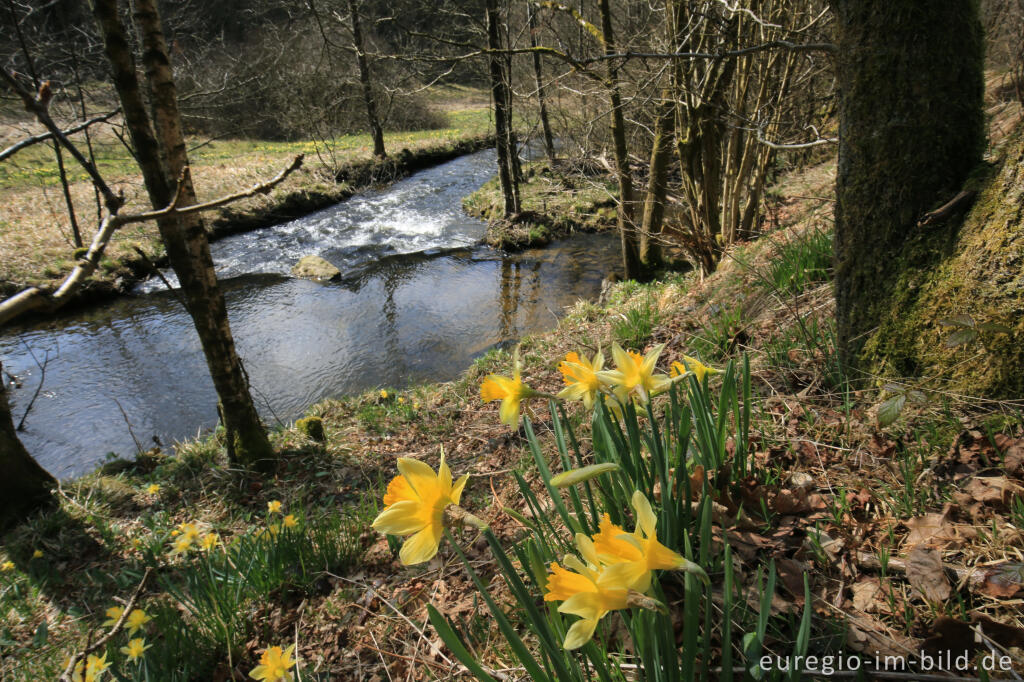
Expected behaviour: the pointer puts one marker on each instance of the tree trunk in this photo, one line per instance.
(538, 77)
(25, 486)
(502, 123)
(364, 81)
(654, 203)
(184, 238)
(627, 203)
(911, 130)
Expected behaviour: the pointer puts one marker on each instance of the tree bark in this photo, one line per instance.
(184, 237)
(500, 98)
(654, 203)
(25, 486)
(627, 202)
(538, 77)
(364, 81)
(911, 130)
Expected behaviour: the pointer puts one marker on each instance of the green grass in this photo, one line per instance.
(633, 327)
(798, 264)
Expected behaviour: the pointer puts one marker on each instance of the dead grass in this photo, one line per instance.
(36, 246)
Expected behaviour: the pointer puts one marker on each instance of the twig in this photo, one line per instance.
(138, 445)
(42, 378)
(69, 671)
(42, 137)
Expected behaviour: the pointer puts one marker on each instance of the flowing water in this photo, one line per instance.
(419, 299)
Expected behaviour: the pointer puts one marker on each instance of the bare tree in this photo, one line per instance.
(161, 153)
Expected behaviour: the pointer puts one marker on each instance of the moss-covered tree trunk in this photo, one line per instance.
(24, 486)
(911, 129)
(161, 155)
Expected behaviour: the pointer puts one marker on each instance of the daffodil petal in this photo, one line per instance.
(421, 546)
(509, 412)
(579, 633)
(419, 474)
(401, 518)
(645, 517)
(458, 487)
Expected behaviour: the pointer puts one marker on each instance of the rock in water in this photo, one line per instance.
(315, 268)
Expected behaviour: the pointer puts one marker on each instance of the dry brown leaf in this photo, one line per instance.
(925, 574)
(1013, 453)
(791, 575)
(865, 594)
(1002, 580)
(928, 527)
(996, 490)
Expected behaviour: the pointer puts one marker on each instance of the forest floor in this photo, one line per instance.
(36, 237)
(906, 516)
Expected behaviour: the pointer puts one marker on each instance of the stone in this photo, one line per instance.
(315, 268)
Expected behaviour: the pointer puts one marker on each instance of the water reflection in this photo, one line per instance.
(403, 320)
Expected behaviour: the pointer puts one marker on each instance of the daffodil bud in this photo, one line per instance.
(575, 476)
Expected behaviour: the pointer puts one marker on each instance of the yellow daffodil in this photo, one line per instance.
(136, 649)
(634, 373)
(153, 488)
(7, 566)
(189, 531)
(414, 505)
(289, 521)
(274, 665)
(113, 615)
(583, 593)
(209, 541)
(580, 377)
(136, 619)
(511, 392)
(182, 545)
(38, 554)
(631, 557)
(699, 369)
(95, 666)
(274, 507)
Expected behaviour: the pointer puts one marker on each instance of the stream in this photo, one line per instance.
(419, 299)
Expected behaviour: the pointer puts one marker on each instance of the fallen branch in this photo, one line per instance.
(35, 298)
(43, 137)
(963, 200)
(69, 671)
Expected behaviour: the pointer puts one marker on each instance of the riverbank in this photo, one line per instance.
(556, 201)
(834, 491)
(35, 236)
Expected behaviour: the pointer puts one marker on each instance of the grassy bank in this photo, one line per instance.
(876, 507)
(35, 233)
(556, 202)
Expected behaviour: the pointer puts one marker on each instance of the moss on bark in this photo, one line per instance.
(911, 131)
(973, 268)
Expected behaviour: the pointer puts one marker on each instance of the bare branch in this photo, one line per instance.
(35, 298)
(42, 137)
(39, 105)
